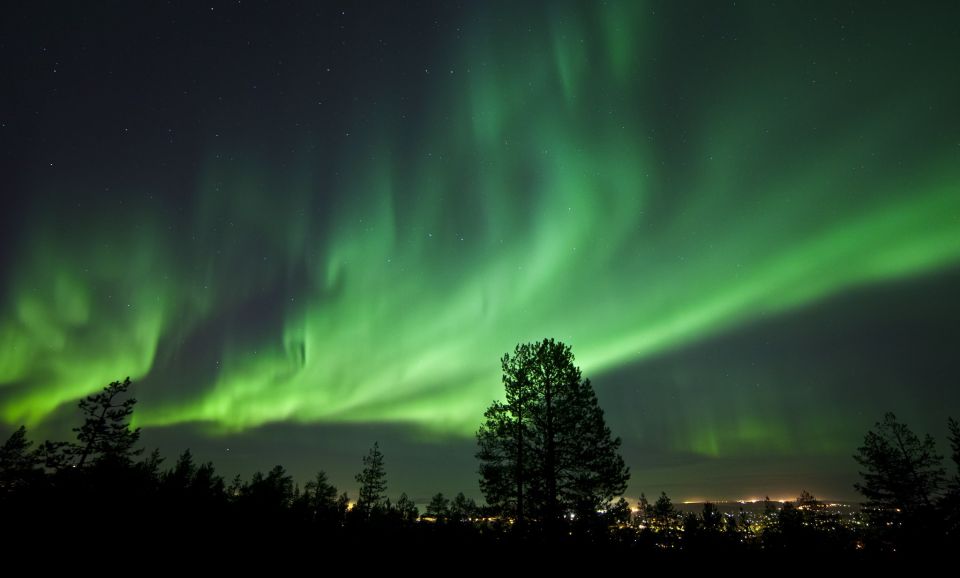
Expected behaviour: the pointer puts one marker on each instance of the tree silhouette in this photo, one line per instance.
(619, 512)
(902, 472)
(712, 518)
(267, 498)
(806, 501)
(902, 478)
(546, 451)
(320, 497)
(664, 512)
(180, 477)
(191, 491)
(954, 438)
(462, 509)
(95, 480)
(407, 510)
(663, 520)
(373, 482)
(19, 466)
(105, 434)
(644, 509)
(951, 501)
(439, 508)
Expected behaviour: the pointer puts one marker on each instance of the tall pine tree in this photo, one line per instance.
(546, 452)
(373, 482)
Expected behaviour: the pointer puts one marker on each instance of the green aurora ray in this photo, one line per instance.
(574, 172)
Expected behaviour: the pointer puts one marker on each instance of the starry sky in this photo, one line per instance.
(303, 227)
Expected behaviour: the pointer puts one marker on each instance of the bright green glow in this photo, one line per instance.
(56, 324)
(540, 200)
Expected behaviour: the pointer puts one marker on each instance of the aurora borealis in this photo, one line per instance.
(332, 220)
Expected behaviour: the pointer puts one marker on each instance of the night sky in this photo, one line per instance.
(304, 227)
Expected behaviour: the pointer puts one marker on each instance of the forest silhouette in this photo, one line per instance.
(550, 472)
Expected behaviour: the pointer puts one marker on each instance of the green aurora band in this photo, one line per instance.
(565, 180)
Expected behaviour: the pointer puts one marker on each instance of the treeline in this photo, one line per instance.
(550, 473)
(102, 487)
